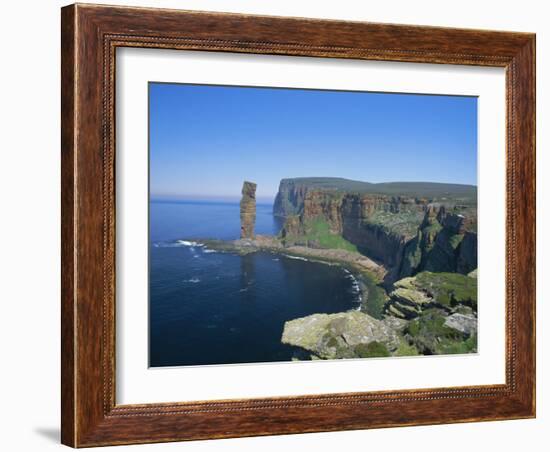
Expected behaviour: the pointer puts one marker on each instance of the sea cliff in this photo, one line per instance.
(407, 227)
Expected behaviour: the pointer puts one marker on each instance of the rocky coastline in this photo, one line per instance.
(414, 259)
(430, 313)
(367, 273)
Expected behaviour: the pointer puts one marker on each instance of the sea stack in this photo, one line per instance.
(248, 210)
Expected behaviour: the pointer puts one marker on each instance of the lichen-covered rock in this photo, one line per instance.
(402, 311)
(396, 325)
(405, 283)
(351, 334)
(410, 296)
(450, 292)
(466, 324)
(431, 335)
(248, 210)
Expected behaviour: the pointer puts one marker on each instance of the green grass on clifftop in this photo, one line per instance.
(466, 194)
(318, 234)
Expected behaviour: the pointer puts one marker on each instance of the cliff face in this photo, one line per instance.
(446, 241)
(380, 225)
(326, 205)
(248, 210)
(290, 198)
(406, 234)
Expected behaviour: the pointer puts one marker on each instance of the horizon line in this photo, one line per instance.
(217, 200)
(237, 196)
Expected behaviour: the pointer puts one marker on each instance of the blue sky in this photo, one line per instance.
(205, 140)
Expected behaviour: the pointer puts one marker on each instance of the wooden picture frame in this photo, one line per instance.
(90, 36)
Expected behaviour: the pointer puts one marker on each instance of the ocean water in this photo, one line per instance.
(208, 307)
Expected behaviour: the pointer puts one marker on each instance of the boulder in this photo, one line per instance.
(351, 334)
(410, 296)
(466, 324)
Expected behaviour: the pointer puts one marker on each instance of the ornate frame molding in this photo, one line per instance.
(90, 36)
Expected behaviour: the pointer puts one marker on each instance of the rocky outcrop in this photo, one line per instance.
(446, 241)
(441, 309)
(351, 334)
(448, 292)
(248, 210)
(464, 323)
(436, 333)
(430, 313)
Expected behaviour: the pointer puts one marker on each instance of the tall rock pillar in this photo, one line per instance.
(248, 210)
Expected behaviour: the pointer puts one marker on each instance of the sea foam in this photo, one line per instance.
(299, 258)
(189, 243)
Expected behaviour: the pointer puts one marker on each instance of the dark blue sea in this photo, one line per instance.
(208, 307)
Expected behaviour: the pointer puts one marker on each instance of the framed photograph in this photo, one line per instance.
(281, 225)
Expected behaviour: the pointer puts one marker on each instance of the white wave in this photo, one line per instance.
(355, 287)
(299, 258)
(275, 259)
(192, 280)
(189, 243)
(354, 281)
(205, 250)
